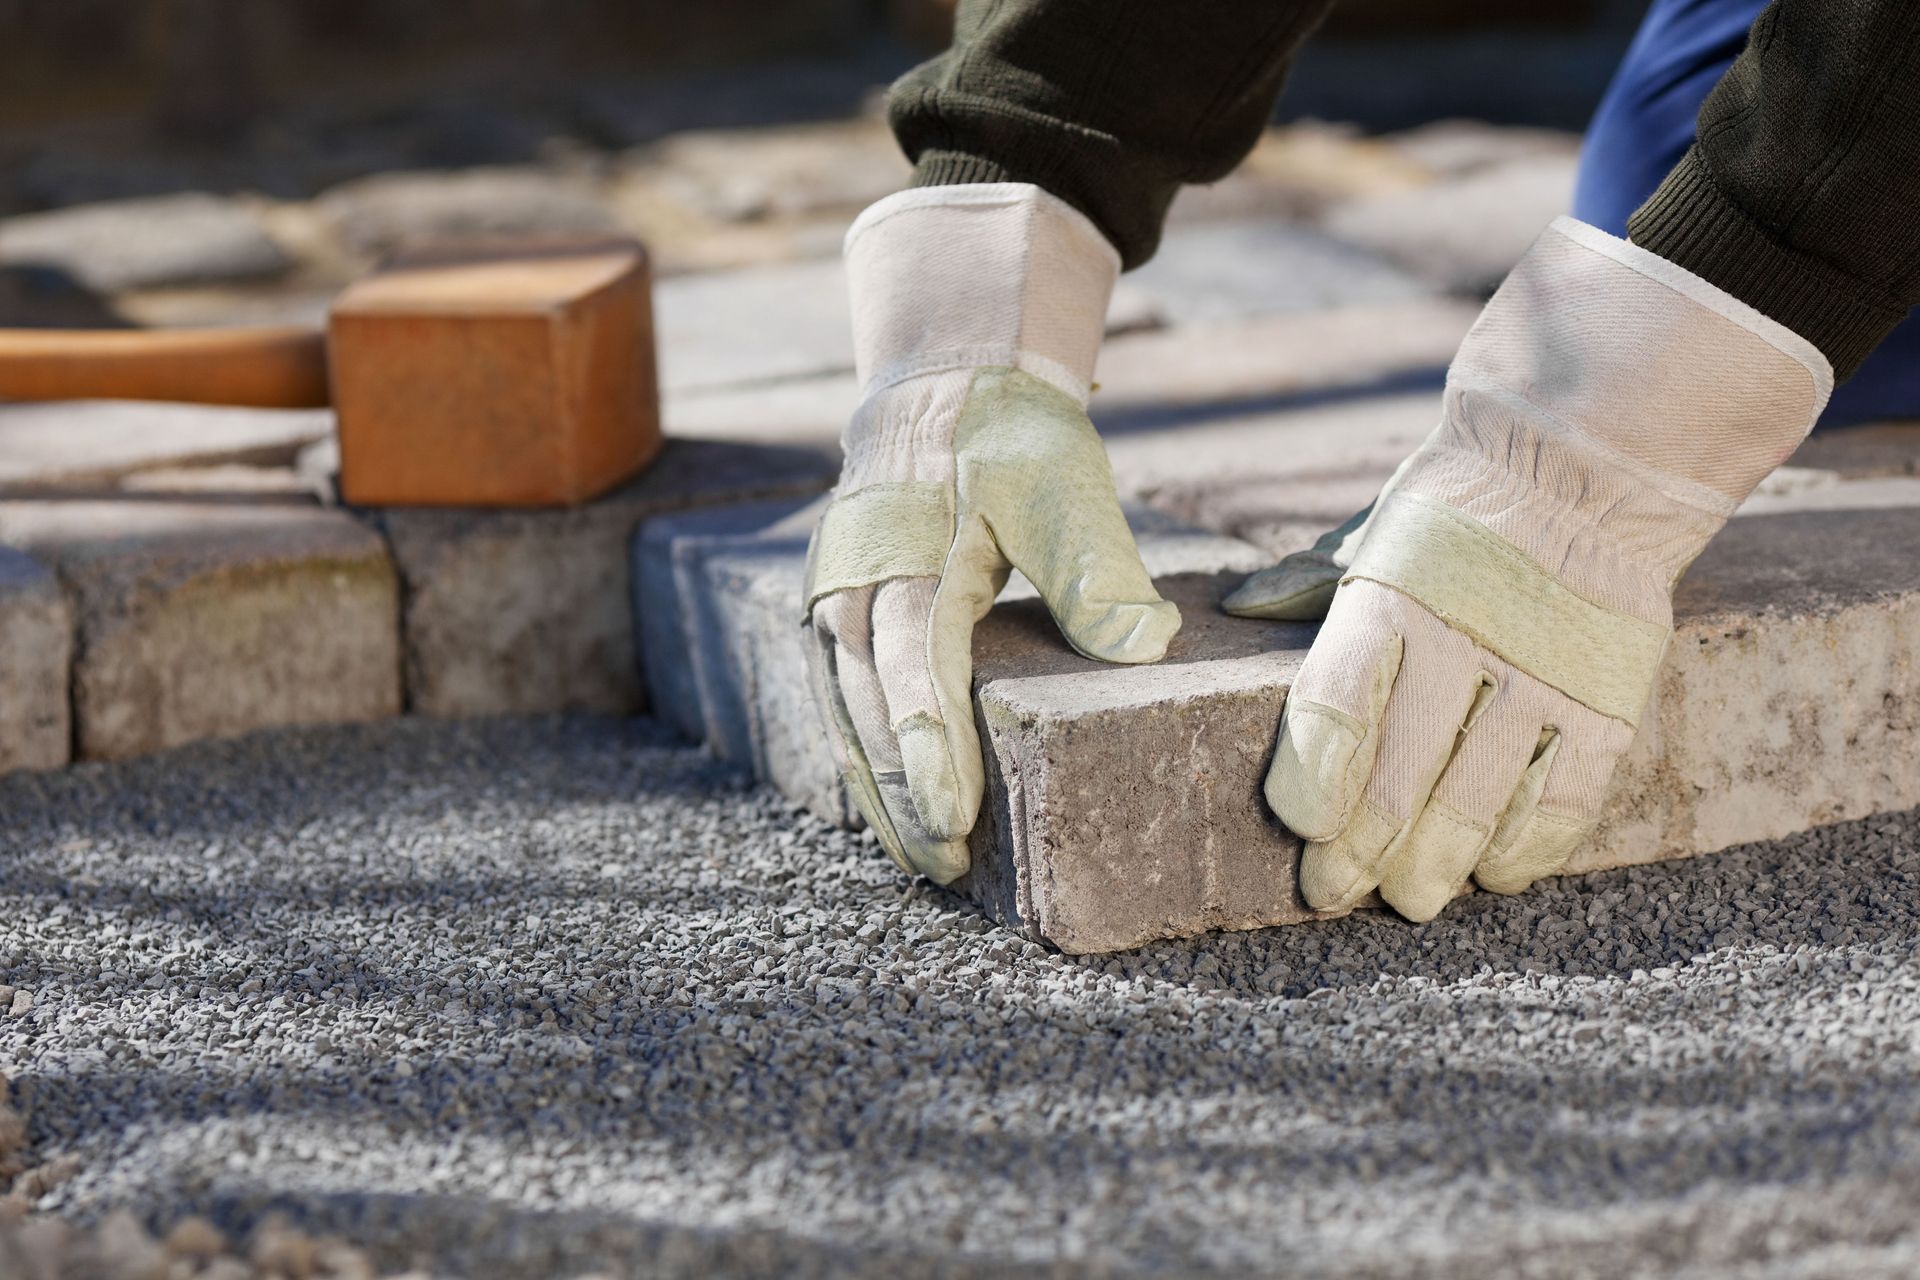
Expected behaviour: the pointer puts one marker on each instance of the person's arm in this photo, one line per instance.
(1111, 105)
(1801, 193)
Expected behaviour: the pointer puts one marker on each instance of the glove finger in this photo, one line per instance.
(1451, 832)
(1034, 470)
(1438, 686)
(880, 786)
(1558, 802)
(855, 771)
(938, 748)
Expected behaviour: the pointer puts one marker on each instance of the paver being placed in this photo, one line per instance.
(719, 595)
(198, 620)
(36, 663)
(529, 610)
(1124, 803)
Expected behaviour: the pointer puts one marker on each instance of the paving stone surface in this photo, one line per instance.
(36, 663)
(198, 620)
(388, 211)
(187, 239)
(1126, 804)
(1464, 234)
(1223, 271)
(531, 610)
(96, 443)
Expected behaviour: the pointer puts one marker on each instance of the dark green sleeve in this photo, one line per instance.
(1801, 193)
(1109, 104)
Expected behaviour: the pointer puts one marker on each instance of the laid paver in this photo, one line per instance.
(198, 620)
(36, 663)
(1464, 234)
(148, 242)
(719, 594)
(1217, 272)
(95, 443)
(510, 611)
(390, 211)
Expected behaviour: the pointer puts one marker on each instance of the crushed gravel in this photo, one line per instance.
(548, 997)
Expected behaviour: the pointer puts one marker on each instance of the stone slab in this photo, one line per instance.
(198, 620)
(522, 611)
(1125, 803)
(150, 242)
(1218, 272)
(723, 652)
(81, 444)
(36, 666)
(1464, 234)
(390, 211)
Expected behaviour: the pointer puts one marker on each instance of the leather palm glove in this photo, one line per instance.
(978, 311)
(1502, 609)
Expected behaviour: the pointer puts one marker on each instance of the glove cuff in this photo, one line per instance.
(958, 277)
(1648, 360)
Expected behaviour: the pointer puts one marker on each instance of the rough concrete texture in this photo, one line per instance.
(197, 620)
(94, 444)
(186, 239)
(534, 999)
(1126, 804)
(719, 595)
(531, 610)
(36, 665)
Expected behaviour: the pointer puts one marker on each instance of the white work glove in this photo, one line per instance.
(977, 314)
(1504, 606)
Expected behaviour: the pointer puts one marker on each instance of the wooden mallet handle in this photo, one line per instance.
(267, 368)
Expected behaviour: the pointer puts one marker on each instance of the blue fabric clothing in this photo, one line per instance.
(1645, 123)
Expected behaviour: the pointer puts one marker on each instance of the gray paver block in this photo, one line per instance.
(1125, 804)
(36, 665)
(725, 660)
(199, 620)
(518, 611)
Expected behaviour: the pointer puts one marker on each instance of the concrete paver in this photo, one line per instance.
(36, 664)
(531, 610)
(199, 620)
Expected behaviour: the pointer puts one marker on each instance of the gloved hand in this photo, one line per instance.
(978, 311)
(1504, 606)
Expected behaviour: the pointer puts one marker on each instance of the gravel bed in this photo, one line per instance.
(546, 997)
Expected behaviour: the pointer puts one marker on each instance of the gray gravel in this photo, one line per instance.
(534, 997)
